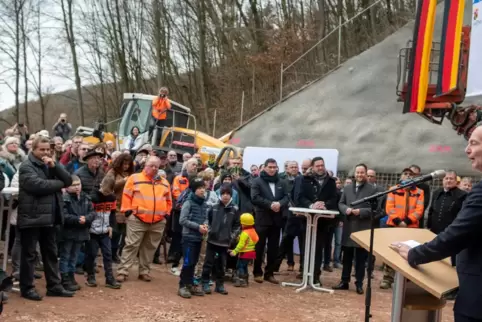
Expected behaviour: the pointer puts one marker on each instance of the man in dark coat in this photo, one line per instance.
(446, 204)
(41, 181)
(357, 218)
(317, 190)
(461, 238)
(91, 173)
(270, 197)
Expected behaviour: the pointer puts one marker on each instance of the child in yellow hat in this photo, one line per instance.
(245, 248)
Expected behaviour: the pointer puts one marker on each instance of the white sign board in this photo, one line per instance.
(258, 155)
(474, 77)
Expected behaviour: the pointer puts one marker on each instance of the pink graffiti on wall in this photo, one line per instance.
(306, 143)
(440, 148)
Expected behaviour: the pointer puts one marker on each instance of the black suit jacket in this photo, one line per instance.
(310, 191)
(262, 198)
(462, 237)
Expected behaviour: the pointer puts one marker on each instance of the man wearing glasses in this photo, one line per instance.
(72, 152)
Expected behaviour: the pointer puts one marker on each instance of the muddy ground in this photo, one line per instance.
(158, 301)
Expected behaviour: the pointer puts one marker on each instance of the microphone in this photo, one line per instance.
(434, 175)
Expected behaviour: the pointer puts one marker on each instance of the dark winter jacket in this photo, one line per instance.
(40, 193)
(309, 190)
(262, 198)
(193, 215)
(75, 207)
(90, 181)
(223, 224)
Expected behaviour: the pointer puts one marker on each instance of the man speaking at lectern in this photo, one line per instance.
(464, 239)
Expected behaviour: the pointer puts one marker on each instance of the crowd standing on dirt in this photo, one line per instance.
(136, 203)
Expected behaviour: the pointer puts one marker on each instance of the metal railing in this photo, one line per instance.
(330, 52)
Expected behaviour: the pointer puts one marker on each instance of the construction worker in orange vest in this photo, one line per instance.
(146, 202)
(404, 209)
(160, 106)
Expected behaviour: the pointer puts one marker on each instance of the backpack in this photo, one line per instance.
(182, 198)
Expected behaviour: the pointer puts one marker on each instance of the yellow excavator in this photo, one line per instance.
(179, 134)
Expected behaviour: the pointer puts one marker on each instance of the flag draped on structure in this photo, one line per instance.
(418, 74)
(474, 77)
(450, 46)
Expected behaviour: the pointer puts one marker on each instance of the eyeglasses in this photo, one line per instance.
(76, 142)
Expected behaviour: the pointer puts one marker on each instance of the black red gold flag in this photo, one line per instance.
(418, 74)
(450, 46)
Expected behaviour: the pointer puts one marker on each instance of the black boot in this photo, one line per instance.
(110, 282)
(73, 281)
(91, 282)
(66, 283)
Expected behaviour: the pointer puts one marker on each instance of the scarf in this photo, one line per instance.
(320, 178)
(268, 178)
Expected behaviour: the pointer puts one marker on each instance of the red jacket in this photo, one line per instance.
(65, 158)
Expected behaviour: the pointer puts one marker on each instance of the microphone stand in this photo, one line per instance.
(373, 201)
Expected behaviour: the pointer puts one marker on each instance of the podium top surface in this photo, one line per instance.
(314, 211)
(437, 278)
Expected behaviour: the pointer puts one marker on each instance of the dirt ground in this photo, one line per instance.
(158, 301)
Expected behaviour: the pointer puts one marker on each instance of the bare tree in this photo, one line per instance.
(23, 26)
(67, 14)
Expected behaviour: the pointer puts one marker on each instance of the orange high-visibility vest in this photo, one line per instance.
(402, 204)
(160, 106)
(149, 199)
(179, 184)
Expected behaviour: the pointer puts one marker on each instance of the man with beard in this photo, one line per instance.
(317, 190)
(270, 197)
(356, 219)
(175, 165)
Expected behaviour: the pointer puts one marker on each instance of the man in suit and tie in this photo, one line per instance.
(462, 238)
(356, 219)
(270, 197)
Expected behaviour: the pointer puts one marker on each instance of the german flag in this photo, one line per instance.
(418, 74)
(450, 46)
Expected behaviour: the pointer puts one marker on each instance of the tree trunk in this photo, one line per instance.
(69, 30)
(156, 7)
(202, 62)
(17, 8)
(25, 74)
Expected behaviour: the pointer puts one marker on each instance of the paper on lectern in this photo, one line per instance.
(411, 243)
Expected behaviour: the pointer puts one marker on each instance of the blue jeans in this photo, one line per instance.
(337, 251)
(68, 254)
(190, 250)
(242, 267)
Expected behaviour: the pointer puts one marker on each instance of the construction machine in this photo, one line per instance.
(439, 105)
(179, 133)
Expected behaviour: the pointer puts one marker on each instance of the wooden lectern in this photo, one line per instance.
(417, 293)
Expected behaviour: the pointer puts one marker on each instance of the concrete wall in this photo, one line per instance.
(354, 110)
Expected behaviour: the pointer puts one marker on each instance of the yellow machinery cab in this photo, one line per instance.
(136, 110)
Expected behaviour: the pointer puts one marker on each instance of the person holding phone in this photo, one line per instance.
(62, 128)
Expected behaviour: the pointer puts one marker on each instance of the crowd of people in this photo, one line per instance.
(77, 198)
